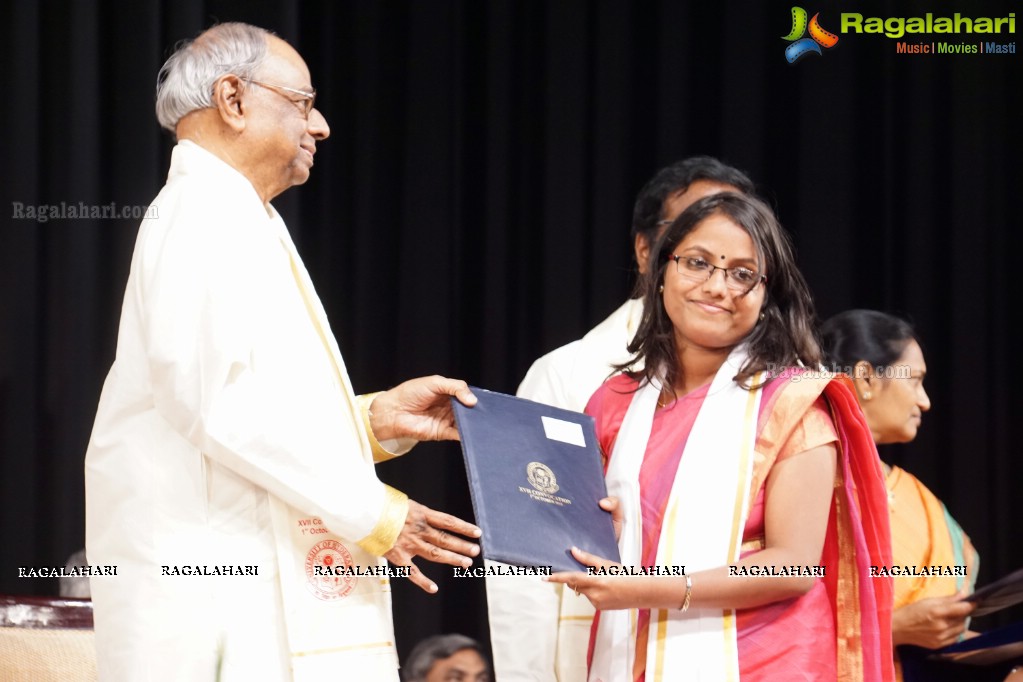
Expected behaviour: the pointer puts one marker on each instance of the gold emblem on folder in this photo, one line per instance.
(542, 478)
(544, 483)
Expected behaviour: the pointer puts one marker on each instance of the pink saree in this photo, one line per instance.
(792, 639)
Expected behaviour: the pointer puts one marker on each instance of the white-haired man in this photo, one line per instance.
(230, 476)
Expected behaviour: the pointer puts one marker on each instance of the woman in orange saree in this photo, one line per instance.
(883, 355)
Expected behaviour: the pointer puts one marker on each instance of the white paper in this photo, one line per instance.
(561, 430)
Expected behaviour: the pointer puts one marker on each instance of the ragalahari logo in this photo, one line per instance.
(801, 46)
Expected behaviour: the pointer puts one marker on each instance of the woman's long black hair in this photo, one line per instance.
(783, 338)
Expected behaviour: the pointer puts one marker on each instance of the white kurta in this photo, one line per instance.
(538, 630)
(224, 404)
(567, 376)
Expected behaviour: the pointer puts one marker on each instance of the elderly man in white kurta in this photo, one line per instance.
(230, 472)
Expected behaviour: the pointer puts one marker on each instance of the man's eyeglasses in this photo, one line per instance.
(697, 269)
(305, 104)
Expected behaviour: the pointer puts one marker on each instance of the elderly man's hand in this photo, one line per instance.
(427, 533)
(420, 409)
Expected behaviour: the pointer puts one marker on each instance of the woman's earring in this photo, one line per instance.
(762, 316)
(866, 395)
(660, 289)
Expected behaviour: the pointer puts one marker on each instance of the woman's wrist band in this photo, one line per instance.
(689, 593)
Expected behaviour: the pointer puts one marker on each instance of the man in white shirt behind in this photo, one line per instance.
(538, 630)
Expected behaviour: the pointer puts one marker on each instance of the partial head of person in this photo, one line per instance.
(882, 354)
(673, 189)
(245, 95)
(722, 274)
(447, 658)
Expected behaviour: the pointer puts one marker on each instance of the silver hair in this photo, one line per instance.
(185, 82)
(433, 649)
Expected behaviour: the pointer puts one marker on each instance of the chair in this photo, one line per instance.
(44, 639)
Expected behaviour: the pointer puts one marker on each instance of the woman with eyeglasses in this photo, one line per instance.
(883, 355)
(729, 458)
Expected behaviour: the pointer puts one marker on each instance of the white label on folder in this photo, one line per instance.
(566, 432)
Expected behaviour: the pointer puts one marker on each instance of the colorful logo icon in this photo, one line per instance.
(801, 46)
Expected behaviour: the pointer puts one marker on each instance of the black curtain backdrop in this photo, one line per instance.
(471, 212)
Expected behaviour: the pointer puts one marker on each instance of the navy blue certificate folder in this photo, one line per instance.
(986, 658)
(535, 477)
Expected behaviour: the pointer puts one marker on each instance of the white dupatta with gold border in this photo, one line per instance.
(337, 627)
(703, 523)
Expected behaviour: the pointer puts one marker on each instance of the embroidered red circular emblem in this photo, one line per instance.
(328, 570)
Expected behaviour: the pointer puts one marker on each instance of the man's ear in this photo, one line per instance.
(642, 248)
(227, 100)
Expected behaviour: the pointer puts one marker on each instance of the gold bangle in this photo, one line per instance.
(689, 593)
